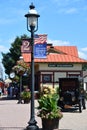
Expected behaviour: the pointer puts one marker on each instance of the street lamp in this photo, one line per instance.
(32, 26)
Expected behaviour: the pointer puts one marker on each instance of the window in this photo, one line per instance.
(46, 78)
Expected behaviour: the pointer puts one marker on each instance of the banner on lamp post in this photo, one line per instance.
(40, 46)
(26, 47)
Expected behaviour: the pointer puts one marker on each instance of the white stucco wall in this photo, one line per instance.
(58, 75)
(58, 72)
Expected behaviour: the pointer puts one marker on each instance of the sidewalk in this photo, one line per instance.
(15, 116)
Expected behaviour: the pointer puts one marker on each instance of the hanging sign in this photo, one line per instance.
(40, 46)
(59, 65)
(26, 47)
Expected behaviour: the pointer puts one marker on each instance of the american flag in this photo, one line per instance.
(40, 39)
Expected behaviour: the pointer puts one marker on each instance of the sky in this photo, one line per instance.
(64, 22)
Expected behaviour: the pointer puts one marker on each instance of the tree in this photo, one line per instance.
(10, 59)
(7, 62)
(84, 67)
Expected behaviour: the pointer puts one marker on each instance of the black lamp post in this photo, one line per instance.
(32, 26)
(20, 100)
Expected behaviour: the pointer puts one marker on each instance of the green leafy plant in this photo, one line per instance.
(26, 94)
(48, 104)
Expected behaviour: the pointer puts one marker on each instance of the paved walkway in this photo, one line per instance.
(15, 116)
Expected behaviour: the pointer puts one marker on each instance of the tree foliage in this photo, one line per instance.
(84, 67)
(10, 59)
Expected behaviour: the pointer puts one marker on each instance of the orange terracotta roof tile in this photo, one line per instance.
(71, 50)
(52, 57)
(62, 54)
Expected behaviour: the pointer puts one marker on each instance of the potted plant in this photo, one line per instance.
(49, 111)
(26, 95)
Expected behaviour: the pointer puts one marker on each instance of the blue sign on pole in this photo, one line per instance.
(40, 50)
(40, 46)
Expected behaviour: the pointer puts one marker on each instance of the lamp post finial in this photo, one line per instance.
(32, 6)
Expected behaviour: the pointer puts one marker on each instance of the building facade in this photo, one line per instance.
(60, 62)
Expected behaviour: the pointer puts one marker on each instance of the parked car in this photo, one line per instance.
(71, 95)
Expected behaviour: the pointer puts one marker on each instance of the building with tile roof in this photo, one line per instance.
(61, 61)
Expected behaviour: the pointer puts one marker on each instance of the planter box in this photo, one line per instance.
(50, 124)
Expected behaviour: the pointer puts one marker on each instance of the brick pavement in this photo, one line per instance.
(15, 116)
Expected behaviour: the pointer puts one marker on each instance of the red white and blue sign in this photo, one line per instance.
(40, 46)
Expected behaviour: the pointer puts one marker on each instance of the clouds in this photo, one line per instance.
(82, 55)
(81, 51)
(5, 44)
(59, 19)
(58, 42)
(5, 21)
(68, 2)
(84, 49)
(71, 10)
(3, 48)
(11, 11)
(70, 6)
